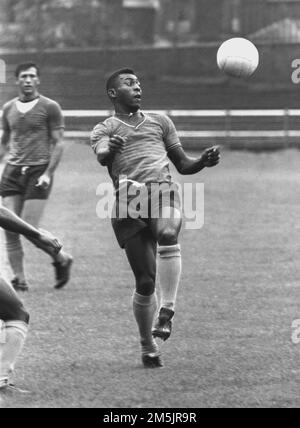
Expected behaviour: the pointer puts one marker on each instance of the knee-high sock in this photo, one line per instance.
(169, 270)
(11, 344)
(15, 254)
(144, 309)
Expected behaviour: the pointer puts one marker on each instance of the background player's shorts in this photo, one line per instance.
(22, 180)
(162, 197)
(11, 307)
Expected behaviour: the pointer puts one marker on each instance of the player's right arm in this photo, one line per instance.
(105, 152)
(5, 136)
(106, 146)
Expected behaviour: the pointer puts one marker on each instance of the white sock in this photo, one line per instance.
(144, 309)
(11, 344)
(15, 254)
(169, 270)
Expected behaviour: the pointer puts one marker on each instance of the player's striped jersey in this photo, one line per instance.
(145, 157)
(30, 132)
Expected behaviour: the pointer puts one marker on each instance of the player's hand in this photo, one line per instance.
(116, 144)
(211, 157)
(44, 181)
(46, 239)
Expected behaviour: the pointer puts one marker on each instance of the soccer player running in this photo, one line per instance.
(32, 135)
(14, 318)
(135, 147)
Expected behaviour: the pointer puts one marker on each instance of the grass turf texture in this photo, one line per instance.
(231, 345)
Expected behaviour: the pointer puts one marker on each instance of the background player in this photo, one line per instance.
(14, 318)
(32, 134)
(137, 146)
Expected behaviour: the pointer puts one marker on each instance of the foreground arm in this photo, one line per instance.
(187, 165)
(42, 239)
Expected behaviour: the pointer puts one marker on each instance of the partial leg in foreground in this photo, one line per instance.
(14, 327)
(14, 248)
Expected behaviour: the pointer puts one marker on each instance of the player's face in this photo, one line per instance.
(28, 81)
(129, 92)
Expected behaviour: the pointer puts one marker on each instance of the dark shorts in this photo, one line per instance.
(22, 180)
(128, 227)
(11, 307)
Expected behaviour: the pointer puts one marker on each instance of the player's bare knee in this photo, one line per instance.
(168, 236)
(145, 286)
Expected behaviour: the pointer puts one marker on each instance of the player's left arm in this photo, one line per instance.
(56, 131)
(187, 165)
(4, 141)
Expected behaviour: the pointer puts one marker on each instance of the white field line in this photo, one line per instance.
(211, 134)
(189, 113)
(77, 114)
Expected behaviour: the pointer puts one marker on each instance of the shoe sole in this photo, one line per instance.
(22, 289)
(161, 334)
(19, 286)
(9, 389)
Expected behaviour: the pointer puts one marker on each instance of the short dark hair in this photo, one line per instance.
(111, 81)
(25, 66)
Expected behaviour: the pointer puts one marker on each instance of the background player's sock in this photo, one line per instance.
(11, 345)
(144, 309)
(169, 270)
(15, 254)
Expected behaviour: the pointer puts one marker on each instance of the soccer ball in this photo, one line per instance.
(238, 57)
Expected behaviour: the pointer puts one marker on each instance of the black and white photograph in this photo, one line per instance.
(149, 207)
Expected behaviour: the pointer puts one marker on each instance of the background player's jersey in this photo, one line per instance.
(30, 133)
(145, 157)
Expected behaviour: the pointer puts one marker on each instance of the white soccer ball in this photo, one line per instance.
(238, 57)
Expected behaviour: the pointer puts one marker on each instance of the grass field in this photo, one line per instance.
(239, 295)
